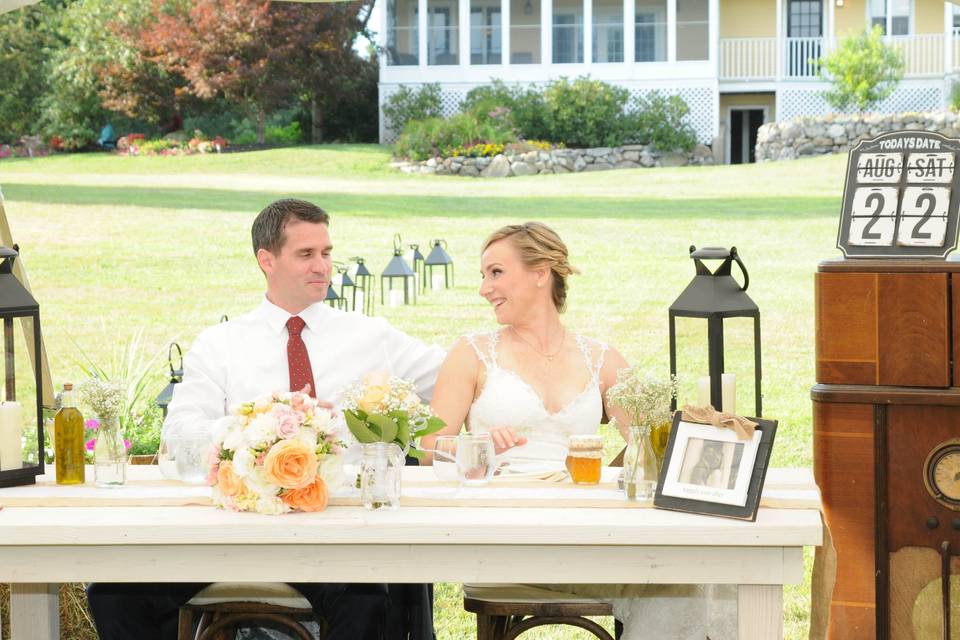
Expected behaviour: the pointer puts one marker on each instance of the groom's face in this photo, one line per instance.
(299, 274)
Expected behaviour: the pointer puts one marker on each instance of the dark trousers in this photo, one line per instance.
(151, 611)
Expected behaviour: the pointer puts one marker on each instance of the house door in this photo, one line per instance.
(744, 124)
(804, 34)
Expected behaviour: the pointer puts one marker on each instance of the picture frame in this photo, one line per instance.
(707, 470)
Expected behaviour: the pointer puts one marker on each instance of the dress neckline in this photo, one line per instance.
(551, 414)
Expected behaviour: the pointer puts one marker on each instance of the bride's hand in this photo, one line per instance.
(505, 438)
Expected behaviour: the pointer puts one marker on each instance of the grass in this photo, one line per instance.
(116, 245)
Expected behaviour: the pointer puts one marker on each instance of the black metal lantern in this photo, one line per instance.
(363, 282)
(21, 411)
(348, 289)
(398, 269)
(332, 299)
(438, 258)
(416, 261)
(176, 377)
(715, 296)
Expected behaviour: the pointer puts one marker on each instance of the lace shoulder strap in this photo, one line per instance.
(485, 346)
(593, 354)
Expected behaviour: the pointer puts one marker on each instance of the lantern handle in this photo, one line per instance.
(357, 259)
(746, 276)
(175, 374)
(397, 243)
(440, 241)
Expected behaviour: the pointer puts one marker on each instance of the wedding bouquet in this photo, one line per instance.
(277, 454)
(382, 408)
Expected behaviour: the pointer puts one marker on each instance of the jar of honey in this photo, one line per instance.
(584, 455)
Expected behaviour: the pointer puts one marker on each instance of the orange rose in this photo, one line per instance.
(229, 483)
(313, 497)
(290, 464)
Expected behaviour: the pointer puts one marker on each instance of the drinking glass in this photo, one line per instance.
(476, 459)
(191, 457)
(445, 458)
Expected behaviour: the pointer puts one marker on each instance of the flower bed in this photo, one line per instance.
(512, 163)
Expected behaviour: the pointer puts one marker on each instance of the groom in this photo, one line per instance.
(291, 340)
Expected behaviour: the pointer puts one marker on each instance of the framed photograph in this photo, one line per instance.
(707, 470)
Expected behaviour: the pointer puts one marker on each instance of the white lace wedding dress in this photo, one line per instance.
(648, 612)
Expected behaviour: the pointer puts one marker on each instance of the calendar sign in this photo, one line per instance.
(901, 197)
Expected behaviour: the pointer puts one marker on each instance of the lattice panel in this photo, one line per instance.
(702, 101)
(794, 103)
(450, 101)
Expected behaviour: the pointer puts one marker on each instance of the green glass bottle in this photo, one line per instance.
(68, 439)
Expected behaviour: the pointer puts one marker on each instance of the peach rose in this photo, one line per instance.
(230, 484)
(290, 464)
(376, 386)
(313, 497)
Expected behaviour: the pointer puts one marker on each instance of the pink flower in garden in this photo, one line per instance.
(92, 424)
(91, 443)
(126, 444)
(288, 421)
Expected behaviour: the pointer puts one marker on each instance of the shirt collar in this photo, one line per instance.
(276, 318)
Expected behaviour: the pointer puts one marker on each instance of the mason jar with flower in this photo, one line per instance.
(645, 400)
(107, 399)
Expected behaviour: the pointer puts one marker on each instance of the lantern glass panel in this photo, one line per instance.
(20, 337)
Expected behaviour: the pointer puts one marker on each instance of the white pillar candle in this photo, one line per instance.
(395, 297)
(11, 435)
(358, 301)
(703, 391)
(728, 383)
(438, 281)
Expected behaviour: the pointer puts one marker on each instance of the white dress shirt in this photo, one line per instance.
(240, 360)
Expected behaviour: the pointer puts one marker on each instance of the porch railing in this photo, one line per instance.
(755, 59)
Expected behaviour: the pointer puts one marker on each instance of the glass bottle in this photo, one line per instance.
(68, 440)
(639, 465)
(380, 471)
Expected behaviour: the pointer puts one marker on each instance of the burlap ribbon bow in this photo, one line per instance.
(708, 415)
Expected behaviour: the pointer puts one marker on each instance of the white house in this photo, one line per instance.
(736, 63)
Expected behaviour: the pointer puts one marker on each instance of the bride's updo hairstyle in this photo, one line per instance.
(539, 247)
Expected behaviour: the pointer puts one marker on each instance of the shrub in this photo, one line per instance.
(481, 150)
(863, 70)
(526, 106)
(658, 120)
(586, 113)
(406, 105)
(955, 96)
(151, 147)
(422, 139)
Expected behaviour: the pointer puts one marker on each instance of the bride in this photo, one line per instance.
(531, 384)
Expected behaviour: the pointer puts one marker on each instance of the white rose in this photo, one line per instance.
(271, 506)
(321, 419)
(257, 483)
(260, 431)
(234, 438)
(307, 437)
(331, 471)
(243, 463)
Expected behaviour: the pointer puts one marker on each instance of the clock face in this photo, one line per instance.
(942, 473)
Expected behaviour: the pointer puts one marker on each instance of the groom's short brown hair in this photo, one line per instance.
(267, 231)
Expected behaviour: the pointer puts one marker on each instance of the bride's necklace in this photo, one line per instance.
(548, 356)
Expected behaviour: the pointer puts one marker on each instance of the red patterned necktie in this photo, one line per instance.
(298, 360)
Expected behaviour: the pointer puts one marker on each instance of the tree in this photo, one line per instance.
(27, 39)
(863, 70)
(254, 53)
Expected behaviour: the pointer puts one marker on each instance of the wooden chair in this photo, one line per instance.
(504, 611)
(225, 607)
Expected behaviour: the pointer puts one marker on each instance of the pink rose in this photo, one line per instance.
(288, 421)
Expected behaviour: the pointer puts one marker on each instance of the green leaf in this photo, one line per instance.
(386, 425)
(403, 431)
(434, 424)
(416, 453)
(359, 428)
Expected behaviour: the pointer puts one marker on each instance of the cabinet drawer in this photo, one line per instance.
(883, 328)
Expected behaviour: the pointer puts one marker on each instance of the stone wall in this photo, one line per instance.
(839, 133)
(558, 161)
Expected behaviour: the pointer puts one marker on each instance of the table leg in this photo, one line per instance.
(34, 611)
(760, 612)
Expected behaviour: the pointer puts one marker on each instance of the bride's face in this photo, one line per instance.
(508, 284)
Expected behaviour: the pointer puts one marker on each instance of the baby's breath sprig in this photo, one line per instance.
(643, 397)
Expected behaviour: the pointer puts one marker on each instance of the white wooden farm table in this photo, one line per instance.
(149, 531)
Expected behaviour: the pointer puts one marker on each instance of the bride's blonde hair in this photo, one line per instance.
(539, 247)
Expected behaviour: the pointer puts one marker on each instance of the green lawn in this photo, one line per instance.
(114, 245)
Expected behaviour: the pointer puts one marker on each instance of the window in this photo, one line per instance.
(901, 11)
(524, 31)
(567, 31)
(650, 31)
(607, 31)
(442, 32)
(403, 42)
(693, 30)
(485, 32)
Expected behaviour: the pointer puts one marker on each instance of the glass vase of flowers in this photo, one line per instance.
(106, 399)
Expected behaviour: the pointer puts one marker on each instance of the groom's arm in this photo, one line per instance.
(199, 401)
(413, 360)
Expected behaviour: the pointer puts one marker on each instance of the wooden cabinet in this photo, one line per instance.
(887, 344)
